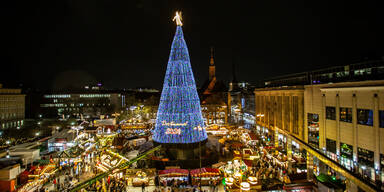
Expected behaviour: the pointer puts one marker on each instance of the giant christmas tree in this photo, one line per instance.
(179, 119)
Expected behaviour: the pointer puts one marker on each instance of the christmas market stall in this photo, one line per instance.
(168, 176)
(208, 176)
(138, 177)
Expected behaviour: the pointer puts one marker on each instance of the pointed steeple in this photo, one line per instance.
(234, 79)
(233, 85)
(212, 68)
(212, 62)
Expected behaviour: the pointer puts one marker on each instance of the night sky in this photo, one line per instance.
(125, 44)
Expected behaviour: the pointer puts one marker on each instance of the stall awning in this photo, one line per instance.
(237, 144)
(205, 171)
(174, 172)
(253, 136)
(248, 162)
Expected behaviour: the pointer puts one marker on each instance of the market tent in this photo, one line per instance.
(173, 172)
(237, 145)
(219, 164)
(253, 136)
(205, 171)
(248, 162)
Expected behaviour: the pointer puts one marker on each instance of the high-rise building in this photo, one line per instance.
(12, 108)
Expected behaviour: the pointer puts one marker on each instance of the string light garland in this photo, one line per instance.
(179, 119)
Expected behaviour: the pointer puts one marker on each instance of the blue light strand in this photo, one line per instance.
(179, 102)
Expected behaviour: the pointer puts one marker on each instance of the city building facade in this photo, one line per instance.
(12, 108)
(337, 112)
(213, 98)
(281, 108)
(85, 103)
(346, 121)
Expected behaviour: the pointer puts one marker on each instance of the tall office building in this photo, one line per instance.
(12, 108)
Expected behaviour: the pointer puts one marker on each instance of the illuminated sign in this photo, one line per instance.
(173, 131)
(173, 123)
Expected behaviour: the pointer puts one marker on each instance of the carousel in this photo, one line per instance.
(237, 176)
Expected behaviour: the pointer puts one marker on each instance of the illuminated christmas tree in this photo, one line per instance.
(179, 119)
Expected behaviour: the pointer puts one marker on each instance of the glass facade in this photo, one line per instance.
(382, 167)
(313, 129)
(366, 163)
(365, 156)
(346, 155)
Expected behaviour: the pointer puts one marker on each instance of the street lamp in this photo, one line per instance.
(260, 115)
(244, 186)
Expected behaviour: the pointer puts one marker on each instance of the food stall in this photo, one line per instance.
(167, 175)
(136, 177)
(206, 175)
(140, 178)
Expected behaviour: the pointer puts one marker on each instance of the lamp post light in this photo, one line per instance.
(260, 116)
(244, 186)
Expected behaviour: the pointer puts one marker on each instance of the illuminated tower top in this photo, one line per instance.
(178, 19)
(212, 67)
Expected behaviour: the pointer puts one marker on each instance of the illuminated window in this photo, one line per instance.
(366, 71)
(365, 117)
(346, 114)
(365, 156)
(381, 119)
(331, 145)
(330, 113)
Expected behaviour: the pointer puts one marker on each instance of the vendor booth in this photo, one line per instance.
(138, 177)
(168, 175)
(206, 175)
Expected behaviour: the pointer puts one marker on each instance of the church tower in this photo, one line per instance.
(212, 68)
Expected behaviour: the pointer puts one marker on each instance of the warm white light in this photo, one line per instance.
(229, 181)
(245, 186)
(252, 180)
(178, 18)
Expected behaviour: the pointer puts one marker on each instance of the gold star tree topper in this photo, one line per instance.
(178, 18)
